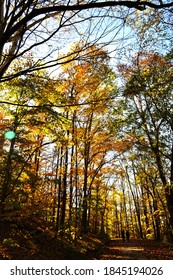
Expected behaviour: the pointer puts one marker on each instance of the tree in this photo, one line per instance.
(87, 90)
(26, 25)
(26, 115)
(152, 31)
(148, 91)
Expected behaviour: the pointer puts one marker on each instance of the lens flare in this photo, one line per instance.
(10, 134)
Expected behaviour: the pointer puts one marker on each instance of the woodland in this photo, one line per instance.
(86, 128)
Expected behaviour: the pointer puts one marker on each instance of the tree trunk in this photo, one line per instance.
(64, 193)
(55, 185)
(87, 144)
(136, 203)
(59, 189)
(7, 178)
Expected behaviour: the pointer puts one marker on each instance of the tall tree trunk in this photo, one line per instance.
(72, 163)
(55, 185)
(169, 191)
(37, 166)
(124, 204)
(71, 185)
(59, 190)
(136, 203)
(87, 144)
(117, 222)
(7, 178)
(76, 187)
(96, 222)
(64, 185)
(131, 213)
(64, 192)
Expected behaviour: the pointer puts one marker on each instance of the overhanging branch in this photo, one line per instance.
(140, 5)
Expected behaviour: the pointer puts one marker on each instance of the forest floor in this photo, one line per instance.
(135, 249)
(32, 238)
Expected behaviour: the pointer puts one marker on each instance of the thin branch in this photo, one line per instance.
(79, 7)
(57, 106)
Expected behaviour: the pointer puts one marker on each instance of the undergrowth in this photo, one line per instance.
(31, 237)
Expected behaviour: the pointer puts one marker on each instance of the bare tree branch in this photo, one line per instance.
(21, 20)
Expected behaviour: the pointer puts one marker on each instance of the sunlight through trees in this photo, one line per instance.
(86, 116)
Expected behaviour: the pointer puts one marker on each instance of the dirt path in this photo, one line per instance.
(134, 250)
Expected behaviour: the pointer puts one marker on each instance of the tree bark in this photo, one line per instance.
(87, 145)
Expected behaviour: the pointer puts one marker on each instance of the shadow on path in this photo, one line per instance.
(135, 250)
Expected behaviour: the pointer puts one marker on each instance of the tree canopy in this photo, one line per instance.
(86, 118)
(26, 25)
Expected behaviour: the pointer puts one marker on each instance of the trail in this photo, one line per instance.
(135, 249)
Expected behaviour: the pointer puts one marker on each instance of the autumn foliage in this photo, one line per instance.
(87, 156)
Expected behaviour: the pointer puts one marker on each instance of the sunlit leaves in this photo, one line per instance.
(149, 99)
